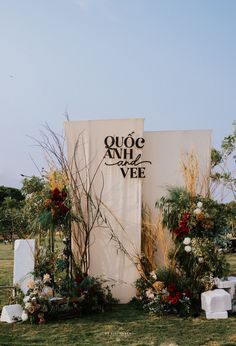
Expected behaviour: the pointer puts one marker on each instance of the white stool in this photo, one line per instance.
(216, 303)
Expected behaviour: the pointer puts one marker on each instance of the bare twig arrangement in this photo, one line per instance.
(88, 209)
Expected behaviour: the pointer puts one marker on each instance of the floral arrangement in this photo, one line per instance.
(55, 210)
(44, 262)
(199, 216)
(76, 294)
(93, 294)
(164, 292)
(36, 302)
(199, 227)
(56, 264)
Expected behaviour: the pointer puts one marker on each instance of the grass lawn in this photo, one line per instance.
(6, 271)
(231, 258)
(124, 325)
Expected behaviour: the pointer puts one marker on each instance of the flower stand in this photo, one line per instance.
(216, 303)
(63, 309)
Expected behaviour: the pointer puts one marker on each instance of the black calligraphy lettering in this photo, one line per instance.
(107, 140)
(128, 152)
(119, 141)
(142, 141)
(129, 141)
(124, 173)
(141, 172)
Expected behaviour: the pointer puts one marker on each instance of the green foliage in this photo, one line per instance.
(94, 295)
(222, 160)
(11, 221)
(34, 191)
(175, 203)
(32, 185)
(182, 215)
(90, 294)
(201, 265)
(11, 192)
(44, 262)
(231, 217)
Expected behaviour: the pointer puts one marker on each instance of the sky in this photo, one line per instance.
(172, 62)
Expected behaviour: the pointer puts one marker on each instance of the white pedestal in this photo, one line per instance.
(216, 315)
(23, 262)
(216, 303)
(229, 286)
(11, 312)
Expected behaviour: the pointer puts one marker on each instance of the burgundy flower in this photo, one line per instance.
(188, 293)
(79, 279)
(186, 215)
(56, 194)
(79, 291)
(178, 295)
(63, 209)
(171, 287)
(63, 194)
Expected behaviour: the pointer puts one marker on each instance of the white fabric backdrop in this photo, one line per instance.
(122, 196)
(166, 150)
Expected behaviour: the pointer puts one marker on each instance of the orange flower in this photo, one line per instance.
(47, 203)
(31, 284)
(158, 285)
(208, 224)
(200, 216)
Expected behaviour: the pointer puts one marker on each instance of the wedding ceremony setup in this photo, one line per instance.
(122, 215)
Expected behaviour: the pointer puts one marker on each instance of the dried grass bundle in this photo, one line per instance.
(190, 170)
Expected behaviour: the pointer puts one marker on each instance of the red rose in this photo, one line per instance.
(171, 287)
(79, 279)
(188, 293)
(63, 194)
(56, 194)
(174, 300)
(186, 215)
(178, 295)
(63, 209)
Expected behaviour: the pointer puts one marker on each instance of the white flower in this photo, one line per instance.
(26, 299)
(199, 205)
(197, 211)
(187, 241)
(200, 259)
(47, 278)
(24, 316)
(153, 274)
(187, 248)
(28, 305)
(149, 294)
(47, 291)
